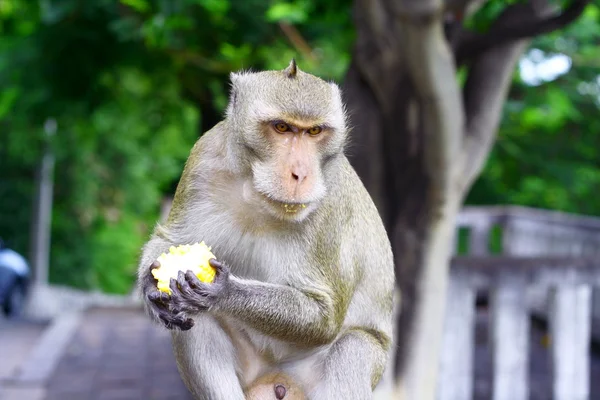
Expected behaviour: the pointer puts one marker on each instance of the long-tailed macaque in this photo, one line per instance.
(302, 300)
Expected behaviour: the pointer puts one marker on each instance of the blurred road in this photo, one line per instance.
(16, 338)
(117, 354)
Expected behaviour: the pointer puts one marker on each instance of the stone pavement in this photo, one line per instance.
(16, 340)
(117, 354)
(103, 354)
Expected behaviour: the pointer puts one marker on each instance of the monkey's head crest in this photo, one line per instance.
(291, 69)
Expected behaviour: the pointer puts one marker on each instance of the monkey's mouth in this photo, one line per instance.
(292, 208)
(287, 207)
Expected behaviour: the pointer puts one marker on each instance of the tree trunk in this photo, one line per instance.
(390, 137)
(388, 152)
(418, 143)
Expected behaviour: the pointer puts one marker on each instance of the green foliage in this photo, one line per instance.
(132, 83)
(548, 148)
(129, 83)
(292, 13)
(124, 132)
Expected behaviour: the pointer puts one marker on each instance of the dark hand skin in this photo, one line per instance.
(188, 295)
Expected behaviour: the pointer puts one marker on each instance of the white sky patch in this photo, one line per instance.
(536, 68)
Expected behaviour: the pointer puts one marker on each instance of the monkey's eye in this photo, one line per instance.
(315, 130)
(282, 127)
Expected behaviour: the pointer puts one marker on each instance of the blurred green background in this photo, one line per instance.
(133, 83)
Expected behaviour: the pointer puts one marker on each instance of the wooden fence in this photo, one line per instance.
(526, 262)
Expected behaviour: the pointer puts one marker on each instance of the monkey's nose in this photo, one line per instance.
(299, 175)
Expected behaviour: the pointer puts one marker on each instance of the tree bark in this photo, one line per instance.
(418, 143)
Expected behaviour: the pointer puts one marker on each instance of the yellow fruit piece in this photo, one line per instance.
(183, 258)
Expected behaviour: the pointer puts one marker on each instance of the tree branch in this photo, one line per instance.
(520, 25)
(464, 8)
(297, 40)
(433, 72)
(486, 90)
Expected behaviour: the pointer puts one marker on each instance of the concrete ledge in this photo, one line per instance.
(45, 355)
(46, 302)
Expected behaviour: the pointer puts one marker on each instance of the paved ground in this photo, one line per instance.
(16, 340)
(117, 354)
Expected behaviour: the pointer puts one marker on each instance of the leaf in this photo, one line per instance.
(138, 5)
(288, 12)
(7, 100)
(217, 7)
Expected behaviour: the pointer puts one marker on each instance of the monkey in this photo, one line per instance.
(303, 292)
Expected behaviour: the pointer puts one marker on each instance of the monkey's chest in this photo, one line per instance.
(267, 258)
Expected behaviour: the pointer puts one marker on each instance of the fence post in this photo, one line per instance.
(570, 314)
(456, 359)
(479, 237)
(510, 338)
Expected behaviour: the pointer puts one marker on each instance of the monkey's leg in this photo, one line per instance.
(207, 360)
(352, 368)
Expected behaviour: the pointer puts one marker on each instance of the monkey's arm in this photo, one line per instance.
(305, 317)
(308, 317)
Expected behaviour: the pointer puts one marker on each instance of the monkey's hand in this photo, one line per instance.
(161, 305)
(191, 295)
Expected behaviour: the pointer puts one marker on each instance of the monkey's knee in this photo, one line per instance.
(275, 386)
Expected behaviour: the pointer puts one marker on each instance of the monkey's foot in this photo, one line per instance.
(275, 386)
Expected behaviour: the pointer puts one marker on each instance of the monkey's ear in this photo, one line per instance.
(291, 69)
(336, 91)
(234, 77)
(237, 79)
(339, 117)
(233, 92)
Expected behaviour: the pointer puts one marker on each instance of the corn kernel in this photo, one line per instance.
(183, 258)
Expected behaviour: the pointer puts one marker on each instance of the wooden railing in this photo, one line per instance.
(547, 264)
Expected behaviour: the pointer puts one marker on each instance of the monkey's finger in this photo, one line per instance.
(215, 264)
(221, 273)
(193, 280)
(148, 278)
(184, 286)
(176, 321)
(187, 324)
(173, 286)
(158, 297)
(182, 322)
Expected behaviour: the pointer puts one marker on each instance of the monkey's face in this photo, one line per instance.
(290, 128)
(290, 179)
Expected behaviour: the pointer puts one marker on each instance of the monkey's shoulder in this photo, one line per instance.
(352, 224)
(208, 149)
(350, 207)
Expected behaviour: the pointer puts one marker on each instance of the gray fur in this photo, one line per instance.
(308, 293)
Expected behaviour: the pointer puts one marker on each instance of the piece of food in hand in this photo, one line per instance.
(184, 258)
